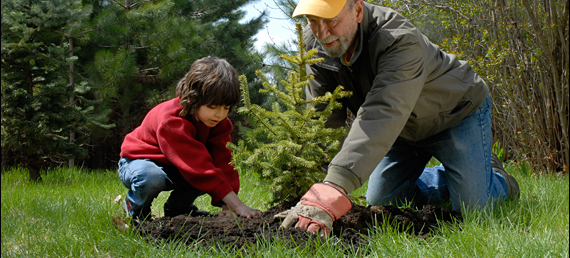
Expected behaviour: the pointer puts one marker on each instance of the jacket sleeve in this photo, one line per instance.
(177, 140)
(221, 155)
(388, 105)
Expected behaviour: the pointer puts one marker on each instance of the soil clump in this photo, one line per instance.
(350, 229)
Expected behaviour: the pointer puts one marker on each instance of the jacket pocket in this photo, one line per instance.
(462, 105)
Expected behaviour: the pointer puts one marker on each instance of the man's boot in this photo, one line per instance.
(514, 191)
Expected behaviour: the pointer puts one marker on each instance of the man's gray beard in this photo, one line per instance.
(344, 45)
(338, 53)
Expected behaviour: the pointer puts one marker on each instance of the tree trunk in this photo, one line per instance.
(72, 97)
(34, 168)
(32, 158)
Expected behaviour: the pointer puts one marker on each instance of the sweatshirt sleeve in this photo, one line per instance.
(221, 155)
(177, 140)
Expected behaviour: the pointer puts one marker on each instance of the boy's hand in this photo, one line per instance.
(225, 211)
(233, 203)
(240, 211)
(246, 211)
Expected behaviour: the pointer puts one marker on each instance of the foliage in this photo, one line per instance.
(289, 144)
(521, 48)
(278, 67)
(499, 151)
(37, 114)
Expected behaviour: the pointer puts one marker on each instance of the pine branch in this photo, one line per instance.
(245, 92)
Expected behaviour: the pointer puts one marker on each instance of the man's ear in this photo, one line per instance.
(358, 5)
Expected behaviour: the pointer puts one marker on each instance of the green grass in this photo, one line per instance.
(69, 215)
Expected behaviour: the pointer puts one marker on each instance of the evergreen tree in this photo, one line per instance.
(37, 116)
(276, 68)
(289, 145)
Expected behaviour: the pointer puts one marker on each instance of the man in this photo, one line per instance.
(412, 102)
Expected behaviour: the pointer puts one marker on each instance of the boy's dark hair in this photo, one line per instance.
(210, 81)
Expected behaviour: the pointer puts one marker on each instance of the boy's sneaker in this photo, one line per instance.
(139, 215)
(514, 191)
(198, 213)
(171, 210)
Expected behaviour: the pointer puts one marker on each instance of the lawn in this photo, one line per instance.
(69, 215)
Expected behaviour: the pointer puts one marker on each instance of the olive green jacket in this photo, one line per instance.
(403, 87)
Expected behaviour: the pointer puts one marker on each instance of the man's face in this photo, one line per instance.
(337, 34)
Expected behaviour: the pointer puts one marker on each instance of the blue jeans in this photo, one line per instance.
(145, 179)
(465, 175)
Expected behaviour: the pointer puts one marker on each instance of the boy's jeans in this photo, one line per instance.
(145, 180)
(465, 176)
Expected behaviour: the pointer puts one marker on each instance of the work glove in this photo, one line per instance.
(317, 210)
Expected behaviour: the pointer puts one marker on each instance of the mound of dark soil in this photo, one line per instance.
(350, 228)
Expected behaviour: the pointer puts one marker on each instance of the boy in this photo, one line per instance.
(181, 146)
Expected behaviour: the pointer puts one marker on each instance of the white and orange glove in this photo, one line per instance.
(317, 210)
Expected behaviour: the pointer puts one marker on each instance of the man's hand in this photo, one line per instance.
(318, 209)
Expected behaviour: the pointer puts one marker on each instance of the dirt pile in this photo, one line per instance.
(350, 228)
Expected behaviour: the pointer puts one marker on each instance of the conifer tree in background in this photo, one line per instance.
(289, 146)
(37, 116)
(276, 68)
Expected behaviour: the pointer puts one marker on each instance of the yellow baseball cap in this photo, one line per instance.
(320, 8)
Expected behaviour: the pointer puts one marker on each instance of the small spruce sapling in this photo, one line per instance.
(289, 146)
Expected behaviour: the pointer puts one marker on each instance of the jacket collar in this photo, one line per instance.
(360, 35)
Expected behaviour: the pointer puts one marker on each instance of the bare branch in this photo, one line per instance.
(116, 2)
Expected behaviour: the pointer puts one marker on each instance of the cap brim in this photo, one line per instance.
(320, 8)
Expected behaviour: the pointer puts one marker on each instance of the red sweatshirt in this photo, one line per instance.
(198, 151)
